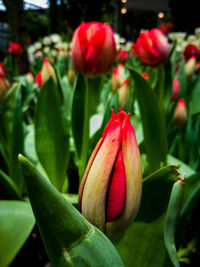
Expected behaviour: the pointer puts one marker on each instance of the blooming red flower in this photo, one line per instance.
(110, 191)
(123, 56)
(15, 49)
(38, 79)
(152, 47)
(190, 50)
(93, 48)
(2, 70)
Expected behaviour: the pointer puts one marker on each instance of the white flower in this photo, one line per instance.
(46, 40)
(55, 38)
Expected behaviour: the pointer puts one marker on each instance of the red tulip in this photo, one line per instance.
(93, 48)
(110, 191)
(124, 94)
(175, 90)
(15, 49)
(2, 70)
(46, 72)
(180, 113)
(152, 47)
(145, 75)
(4, 86)
(38, 79)
(117, 77)
(190, 50)
(123, 56)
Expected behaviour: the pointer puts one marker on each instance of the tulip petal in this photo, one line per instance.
(117, 190)
(96, 185)
(132, 164)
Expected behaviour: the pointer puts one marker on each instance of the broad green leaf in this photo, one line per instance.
(9, 186)
(15, 134)
(194, 104)
(52, 134)
(172, 218)
(142, 245)
(70, 240)
(16, 224)
(155, 138)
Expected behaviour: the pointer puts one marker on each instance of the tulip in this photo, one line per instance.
(38, 79)
(46, 72)
(180, 113)
(124, 93)
(190, 66)
(117, 77)
(4, 86)
(175, 90)
(15, 49)
(93, 48)
(145, 75)
(123, 56)
(110, 191)
(30, 78)
(71, 76)
(2, 70)
(190, 50)
(152, 47)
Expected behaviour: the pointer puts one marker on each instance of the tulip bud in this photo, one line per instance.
(180, 113)
(15, 49)
(117, 77)
(123, 56)
(190, 50)
(30, 77)
(152, 47)
(71, 76)
(93, 48)
(175, 90)
(4, 86)
(190, 66)
(46, 72)
(2, 70)
(110, 191)
(124, 93)
(38, 79)
(145, 75)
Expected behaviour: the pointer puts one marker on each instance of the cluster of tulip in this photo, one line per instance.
(141, 94)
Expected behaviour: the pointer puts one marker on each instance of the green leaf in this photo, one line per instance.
(9, 185)
(172, 218)
(155, 138)
(194, 104)
(16, 224)
(70, 240)
(143, 243)
(80, 120)
(182, 80)
(51, 134)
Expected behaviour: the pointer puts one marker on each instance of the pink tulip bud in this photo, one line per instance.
(93, 48)
(117, 77)
(110, 191)
(124, 94)
(123, 56)
(46, 72)
(2, 70)
(175, 90)
(190, 66)
(71, 76)
(15, 49)
(4, 86)
(30, 77)
(152, 47)
(180, 113)
(145, 75)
